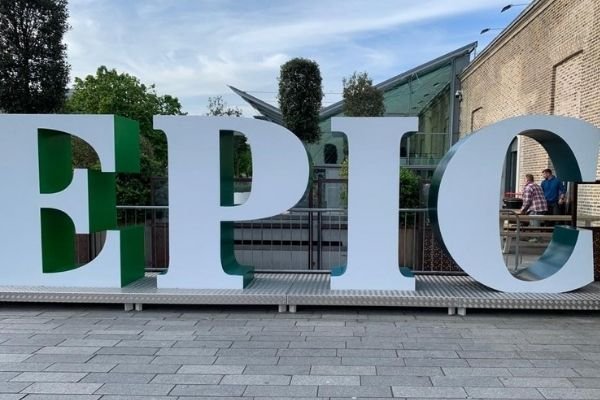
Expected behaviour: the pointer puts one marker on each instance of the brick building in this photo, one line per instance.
(547, 61)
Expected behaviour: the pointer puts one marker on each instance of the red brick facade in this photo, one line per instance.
(546, 62)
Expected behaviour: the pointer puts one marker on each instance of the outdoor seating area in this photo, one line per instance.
(523, 241)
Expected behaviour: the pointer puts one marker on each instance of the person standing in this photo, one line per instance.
(554, 192)
(534, 202)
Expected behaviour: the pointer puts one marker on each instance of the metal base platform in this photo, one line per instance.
(457, 293)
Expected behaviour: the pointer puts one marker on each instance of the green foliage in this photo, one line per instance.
(300, 96)
(410, 186)
(361, 98)
(33, 68)
(242, 159)
(109, 92)
(219, 108)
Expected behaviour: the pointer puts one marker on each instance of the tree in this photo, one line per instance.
(242, 159)
(109, 92)
(300, 96)
(361, 98)
(33, 69)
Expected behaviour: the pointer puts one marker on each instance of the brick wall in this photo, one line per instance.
(548, 62)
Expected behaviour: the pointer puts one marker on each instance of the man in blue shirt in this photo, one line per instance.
(554, 192)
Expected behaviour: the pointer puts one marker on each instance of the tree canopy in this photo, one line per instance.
(300, 96)
(33, 68)
(361, 98)
(242, 159)
(110, 92)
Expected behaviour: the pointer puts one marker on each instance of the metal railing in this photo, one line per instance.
(301, 239)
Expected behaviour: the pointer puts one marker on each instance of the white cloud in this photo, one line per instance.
(193, 49)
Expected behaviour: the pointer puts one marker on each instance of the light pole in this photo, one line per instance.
(509, 6)
(485, 30)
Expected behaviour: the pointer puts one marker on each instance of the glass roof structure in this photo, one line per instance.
(426, 91)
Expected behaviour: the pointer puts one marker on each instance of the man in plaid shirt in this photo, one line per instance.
(534, 201)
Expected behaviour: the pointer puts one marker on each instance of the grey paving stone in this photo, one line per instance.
(121, 359)
(6, 376)
(307, 352)
(553, 355)
(366, 353)
(211, 369)
(245, 352)
(499, 363)
(146, 368)
(226, 360)
(188, 379)
(259, 345)
(309, 361)
(277, 369)
(564, 364)
(354, 391)
(461, 381)
(75, 367)
(463, 371)
(186, 351)
(135, 389)
(13, 387)
(89, 343)
(266, 398)
(146, 343)
(281, 391)
(161, 360)
(18, 349)
(435, 362)
(56, 397)
(208, 344)
(23, 367)
(208, 390)
(387, 361)
(429, 392)
(588, 372)
(409, 371)
(255, 380)
(546, 372)
(342, 370)
(128, 351)
(62, 388)
(503, 393)
(67, 350)
(427, 353)
(117, 377)
(329, 380)
(489, 354)
(14, 358)
(593, 383)
(129, 397)
(536, 382)
(395, 380)
(49, 377)
(563, 394)
(59, 358)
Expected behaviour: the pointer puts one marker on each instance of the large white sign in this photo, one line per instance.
(46, 203)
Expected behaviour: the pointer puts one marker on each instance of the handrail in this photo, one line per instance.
(518, 234)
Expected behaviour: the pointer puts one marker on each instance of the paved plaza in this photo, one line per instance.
(102, 352)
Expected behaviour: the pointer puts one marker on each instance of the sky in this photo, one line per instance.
(193, 49)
